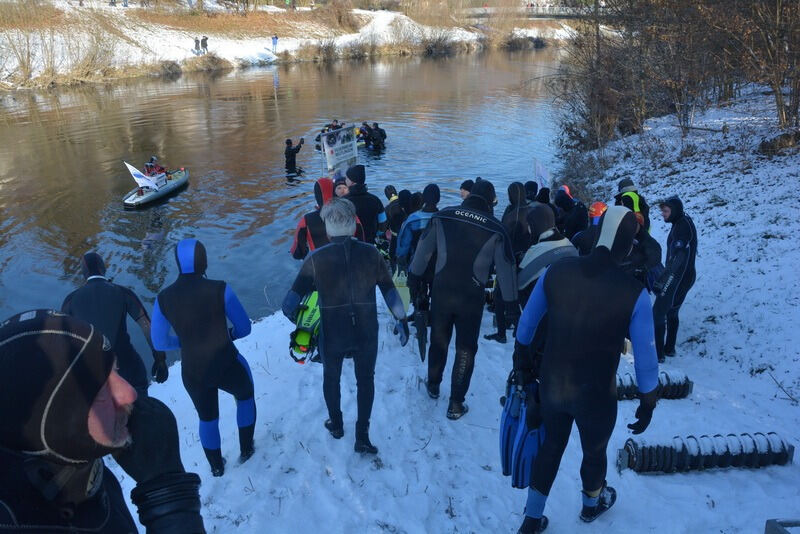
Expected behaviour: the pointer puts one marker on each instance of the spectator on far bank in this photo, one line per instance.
(196, 50)
(274, 44)
(204, 44)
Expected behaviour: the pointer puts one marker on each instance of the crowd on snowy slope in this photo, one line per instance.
(74, 390)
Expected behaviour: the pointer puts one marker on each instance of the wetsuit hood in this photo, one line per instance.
(404, 199)
(390, 192)
(191, 257)
(543, 195)
(51, 368)
(357, 174)
(516, 194)
(481, 198)
(676, 205)
(531, 190)
(540, 219)
(431, 196)
(323, 191)
(416, 202)
(92, 265)
(618, 228)
(563, 200)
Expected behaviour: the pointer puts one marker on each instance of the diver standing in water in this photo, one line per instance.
(290, 155)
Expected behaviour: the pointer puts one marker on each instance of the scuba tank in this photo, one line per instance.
(303, 341)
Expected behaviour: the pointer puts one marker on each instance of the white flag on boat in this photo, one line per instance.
(541, 174)
(140, 178)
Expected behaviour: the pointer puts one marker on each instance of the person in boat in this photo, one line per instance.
(152, 168)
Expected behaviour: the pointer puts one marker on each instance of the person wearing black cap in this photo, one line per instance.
(310, 233)
(678, 277)
(578, 370)
(572, 216)
(531, 190)
(197, 309)
(467, 241)
(345, 274)
(369, 208)
(628, 196)
(515, 222)
(397, 211)
(377, 139)
(466, 187)
(107, 305)
(408, 239)
(290, 155)
(63, 408)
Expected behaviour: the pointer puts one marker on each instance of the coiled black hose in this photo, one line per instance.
(671, 385)
(706, 452)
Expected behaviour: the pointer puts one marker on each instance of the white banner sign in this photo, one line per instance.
(140, 178)
(339, 148)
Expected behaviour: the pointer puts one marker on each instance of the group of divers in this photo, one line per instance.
(572, 282)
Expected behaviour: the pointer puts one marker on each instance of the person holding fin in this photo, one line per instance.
(107, 306)
(578, 370)
(198, 310)
(344, 274)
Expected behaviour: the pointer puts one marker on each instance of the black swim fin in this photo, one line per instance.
(421, 324)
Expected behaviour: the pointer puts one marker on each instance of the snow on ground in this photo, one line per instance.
(438, 476)
(562, 32)
(138, 43)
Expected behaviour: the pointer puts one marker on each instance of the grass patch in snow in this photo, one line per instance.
(207, 63)
(331, 19)
(30, 15)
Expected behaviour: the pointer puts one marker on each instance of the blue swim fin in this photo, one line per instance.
(526, 445)
(509, 424)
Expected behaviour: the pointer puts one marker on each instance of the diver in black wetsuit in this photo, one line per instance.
(290, 154)
(107, 305)
(345, 274)
(678, 276)
(64, 408)
(577, 375)
(515, 221)
(468, 241)
(573, 216)
(197, 309)
(377, 139)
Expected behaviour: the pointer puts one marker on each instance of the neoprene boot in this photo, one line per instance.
(433, 390)
(456, 410)
(604, 501)
(533, 525)
(336, 428)
(246, 447)
(216, 461)
(363, 445)
(500, 337)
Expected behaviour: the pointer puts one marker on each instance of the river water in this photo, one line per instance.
(62, 177)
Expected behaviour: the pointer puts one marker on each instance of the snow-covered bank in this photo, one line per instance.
(437, 476)
(99, 42)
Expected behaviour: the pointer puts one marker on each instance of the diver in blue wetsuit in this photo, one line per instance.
(578, 369)
(198, 310)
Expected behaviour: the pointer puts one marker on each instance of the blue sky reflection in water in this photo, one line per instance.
(62, 177)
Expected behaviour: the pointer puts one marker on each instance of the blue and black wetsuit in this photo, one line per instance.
(677, 279)
(198, 310)
(591, 306)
